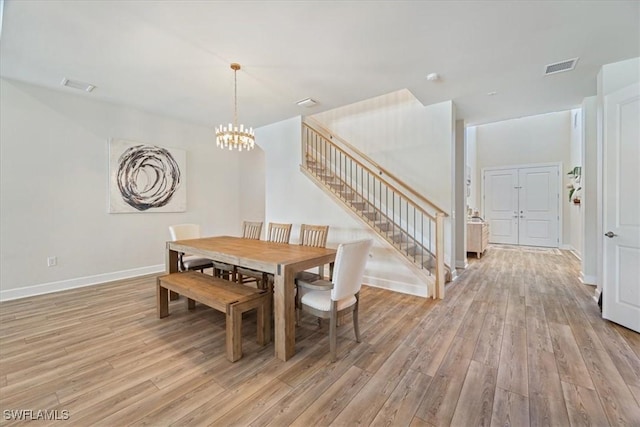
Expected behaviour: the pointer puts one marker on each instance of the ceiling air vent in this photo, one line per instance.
(307, 102)
(77, 85)
(559, 67)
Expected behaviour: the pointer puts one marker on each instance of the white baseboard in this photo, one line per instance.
(417, 289)
(589, 280)
(566, 247)
(80, 282)
(462, 264)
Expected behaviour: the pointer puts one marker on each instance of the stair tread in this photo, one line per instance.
(400, 239)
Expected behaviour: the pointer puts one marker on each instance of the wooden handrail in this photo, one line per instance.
(390, 186)
(317, 127)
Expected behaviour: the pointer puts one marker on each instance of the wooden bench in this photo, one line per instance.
(221, 295)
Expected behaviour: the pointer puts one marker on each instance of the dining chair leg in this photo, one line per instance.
(354, 316)
(333, 331)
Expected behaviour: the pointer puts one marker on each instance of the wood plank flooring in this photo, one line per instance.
(518, 341)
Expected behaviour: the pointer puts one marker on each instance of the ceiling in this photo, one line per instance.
(172, 57)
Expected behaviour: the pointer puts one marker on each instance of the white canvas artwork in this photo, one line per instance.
(146, 178)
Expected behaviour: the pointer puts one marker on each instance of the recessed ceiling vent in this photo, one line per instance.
(77, 85)
(307, 102)
(559, 67)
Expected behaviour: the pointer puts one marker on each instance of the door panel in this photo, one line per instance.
(501, 205)
(536, 230)
(621, 275)
(538, 203)
(627, 262)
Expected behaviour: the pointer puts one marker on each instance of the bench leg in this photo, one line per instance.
(264, 321)
(191, 304)
(162, 303)
(234, 334)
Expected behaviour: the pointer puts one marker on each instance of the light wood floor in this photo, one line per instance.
(518, 341)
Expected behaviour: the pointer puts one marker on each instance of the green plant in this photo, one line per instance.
(573, 190)
(576, 174)
(576, 171)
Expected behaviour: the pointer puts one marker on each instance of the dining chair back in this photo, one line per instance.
(351, 259)
(278, 233)
(188, 262)
(314, 235)
(184, 231)
(326, 299)
(252, 229)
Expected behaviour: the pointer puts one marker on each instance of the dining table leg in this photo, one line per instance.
(284, 313)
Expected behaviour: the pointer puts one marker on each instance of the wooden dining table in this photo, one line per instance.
(280, 259)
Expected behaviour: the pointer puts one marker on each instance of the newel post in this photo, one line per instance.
(439, 288)
(303, 148)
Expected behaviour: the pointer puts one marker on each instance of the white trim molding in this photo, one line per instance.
(462, 264)
(80, 282)
(417, 289)
(589, 280)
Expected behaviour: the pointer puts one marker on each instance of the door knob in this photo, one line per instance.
(610, 234)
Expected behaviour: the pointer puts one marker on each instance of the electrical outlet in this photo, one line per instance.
(52, 261)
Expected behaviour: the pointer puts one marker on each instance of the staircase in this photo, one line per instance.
(405, 219)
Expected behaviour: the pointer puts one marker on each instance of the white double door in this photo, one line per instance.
(522, 205)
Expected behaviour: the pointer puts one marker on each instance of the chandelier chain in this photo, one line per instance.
(235, 97)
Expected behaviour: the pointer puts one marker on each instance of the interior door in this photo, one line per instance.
(538, 201)
(522, 204)
(501, 205)
(621, 222)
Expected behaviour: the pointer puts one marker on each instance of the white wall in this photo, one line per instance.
(292, 197)
(589, 191)
(459, 196)
(54, 187)
(251, 168)
(617, 75)
(545, 138)
(412, 141)
(574, 211)
(54, 190)
(473, 200)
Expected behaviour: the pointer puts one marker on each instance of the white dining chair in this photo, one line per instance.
(330, 299)
(189, 262)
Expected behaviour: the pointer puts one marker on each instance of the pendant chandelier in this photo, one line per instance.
(232, 136)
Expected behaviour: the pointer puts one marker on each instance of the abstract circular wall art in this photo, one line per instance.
(146, 178)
